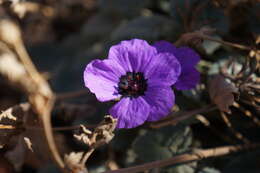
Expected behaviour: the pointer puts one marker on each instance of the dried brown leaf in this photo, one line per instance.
(194, 38)
(28, 143)
(27, 132)
(83, 138)
(7, 114)
(73, 162)
(85, 130)
(39, 93)
(73, 158)
(12, 122)
(102, 134)
(221, 92)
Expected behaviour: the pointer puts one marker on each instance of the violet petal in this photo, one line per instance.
(188, 59)
(130, 112)
(102, 77)
(164, 69)
(161, 100)
(133, 55)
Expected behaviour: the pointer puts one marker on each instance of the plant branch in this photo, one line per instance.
(72, 94)
(101, 135)
(235, 45)
(39, 93)
(87, 155)
(24, 108)
(237, 134)
(6, 127)
(188, 157)
(181, 116)
(42, 103)
(207, 124)
(203, 34)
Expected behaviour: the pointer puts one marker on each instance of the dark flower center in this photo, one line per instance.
(132, 84)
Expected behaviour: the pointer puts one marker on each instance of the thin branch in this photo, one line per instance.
(73, 94)
(43, 108)
(207, 124)
(87, 155)
(23, 109)
(247, 113)
(63, 128)
(101, 135)
(180, 116)
(237, 134)
(25, 59)
(235, 45)
(184, 158)
(203, 34)
(66, 128)
(6, 127)
(40, 95)
(46, 122)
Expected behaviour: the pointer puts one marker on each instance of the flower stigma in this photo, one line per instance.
(132, 84)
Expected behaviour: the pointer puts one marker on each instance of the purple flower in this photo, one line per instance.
(188, 59)
(141, 76)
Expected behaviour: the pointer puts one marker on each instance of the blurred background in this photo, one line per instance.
(63, 36)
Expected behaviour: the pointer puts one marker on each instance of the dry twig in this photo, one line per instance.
(237, 134)
(181, 116)
(198, 154)
(207, 124)
(101, 135)
(203, 34)
(36, 87)
(73, 94)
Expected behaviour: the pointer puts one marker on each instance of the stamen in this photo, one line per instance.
(132, 84)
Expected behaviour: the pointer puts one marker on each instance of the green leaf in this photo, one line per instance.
(211, 46)
(123, 139)
(147, 27)
(209, 170)
(187, 168)
(162, 143)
